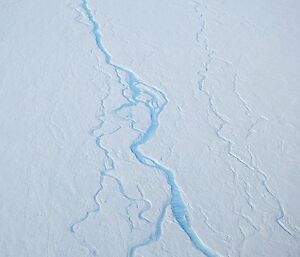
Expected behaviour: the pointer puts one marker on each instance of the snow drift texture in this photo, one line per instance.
(142, 128)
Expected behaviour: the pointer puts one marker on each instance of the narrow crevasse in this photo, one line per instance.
(136, 92)
(257, 179)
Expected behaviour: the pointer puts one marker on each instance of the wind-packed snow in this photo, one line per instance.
(150, 128)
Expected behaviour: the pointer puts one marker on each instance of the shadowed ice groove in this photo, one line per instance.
(155, 101)
(250, 165)
(109, 165)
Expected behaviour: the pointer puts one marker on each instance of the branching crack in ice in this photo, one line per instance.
(155, 101)
(250, 165)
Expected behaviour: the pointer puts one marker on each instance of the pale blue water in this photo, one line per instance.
(155, 101)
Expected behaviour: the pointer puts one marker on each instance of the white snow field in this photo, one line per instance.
(149, 128)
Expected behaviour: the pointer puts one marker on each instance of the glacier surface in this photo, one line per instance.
(150, 128)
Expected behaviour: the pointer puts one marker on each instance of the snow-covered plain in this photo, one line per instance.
(138, 128)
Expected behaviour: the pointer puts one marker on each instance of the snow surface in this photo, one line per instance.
(143, 128)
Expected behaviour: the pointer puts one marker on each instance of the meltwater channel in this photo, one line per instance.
(155, 101)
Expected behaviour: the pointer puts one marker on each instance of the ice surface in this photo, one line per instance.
(150, 128)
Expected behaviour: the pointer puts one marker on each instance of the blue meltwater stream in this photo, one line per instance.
(155, 101)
